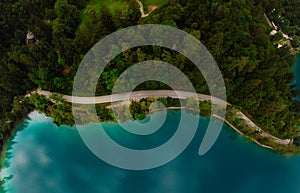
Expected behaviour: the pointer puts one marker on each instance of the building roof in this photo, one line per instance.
(30, 35)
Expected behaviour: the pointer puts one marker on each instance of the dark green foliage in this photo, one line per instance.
(103, 113)
(137, 111)
(134, 13)
(54, 107)
(205, 108)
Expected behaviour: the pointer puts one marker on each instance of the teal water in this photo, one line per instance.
(42, 158)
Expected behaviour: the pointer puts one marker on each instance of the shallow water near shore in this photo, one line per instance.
(44, 158)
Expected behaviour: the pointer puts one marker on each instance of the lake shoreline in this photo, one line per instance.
(251, 128)
(221, 119)
(80, 163)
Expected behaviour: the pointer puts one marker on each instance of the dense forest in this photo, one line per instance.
(42, 43)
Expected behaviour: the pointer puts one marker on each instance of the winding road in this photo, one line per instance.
(137, 95)
(142, 9)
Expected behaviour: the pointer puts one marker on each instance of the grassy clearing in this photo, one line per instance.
(113, 5)
(155, 2)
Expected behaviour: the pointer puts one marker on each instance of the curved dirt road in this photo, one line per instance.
(137, 95)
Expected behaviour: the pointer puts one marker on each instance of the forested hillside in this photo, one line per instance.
(42, 43)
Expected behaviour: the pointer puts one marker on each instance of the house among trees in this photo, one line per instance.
(30, 38)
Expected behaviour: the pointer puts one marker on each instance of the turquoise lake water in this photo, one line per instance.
(42, 158)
